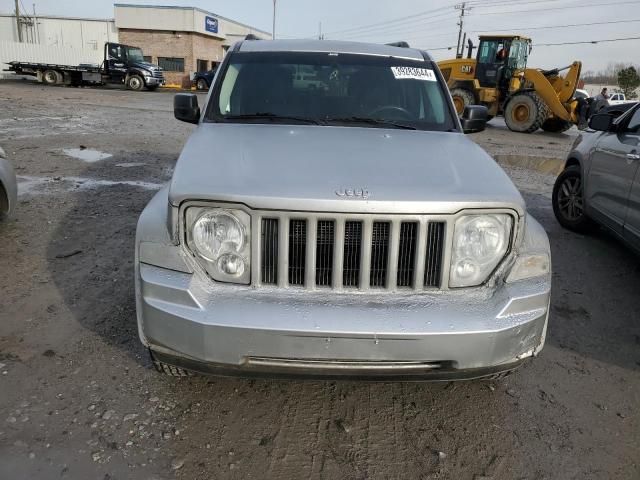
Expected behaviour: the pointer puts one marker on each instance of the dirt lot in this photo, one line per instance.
(80, 400)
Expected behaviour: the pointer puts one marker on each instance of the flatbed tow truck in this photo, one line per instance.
(123, 64)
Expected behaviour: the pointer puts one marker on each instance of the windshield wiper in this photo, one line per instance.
(270, 116)
(371, 121)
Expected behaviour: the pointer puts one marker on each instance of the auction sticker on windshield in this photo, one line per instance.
(413, 73)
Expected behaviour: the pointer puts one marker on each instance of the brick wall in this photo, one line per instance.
(190, 46)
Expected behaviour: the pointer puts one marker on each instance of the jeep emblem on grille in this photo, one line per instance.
(353, 193)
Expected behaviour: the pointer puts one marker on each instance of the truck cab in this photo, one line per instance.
(498, 58)
(126, 64)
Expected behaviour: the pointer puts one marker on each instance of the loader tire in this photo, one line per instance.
(462, 98)
(556, 125)
(525, 112)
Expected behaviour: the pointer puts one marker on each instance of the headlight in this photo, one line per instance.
(480, 242)
(221, 239)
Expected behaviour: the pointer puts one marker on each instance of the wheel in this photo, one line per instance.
(525, 112)
(51, 77)
(568, 201)
(462, 98)
(152, 88)
(135, 82)
(167, 369)
(556, 125)
(201, 84)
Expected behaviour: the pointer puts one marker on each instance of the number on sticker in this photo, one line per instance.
(413, 73)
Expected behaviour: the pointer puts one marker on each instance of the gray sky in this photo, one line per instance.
(428, 24)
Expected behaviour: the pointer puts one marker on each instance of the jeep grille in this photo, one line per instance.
(358, 253)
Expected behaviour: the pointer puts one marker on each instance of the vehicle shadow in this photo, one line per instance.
(91, 252)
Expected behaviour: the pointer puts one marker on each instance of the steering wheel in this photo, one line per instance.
(392, 109)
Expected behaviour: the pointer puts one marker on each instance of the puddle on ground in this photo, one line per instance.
(86, 154)
(28, 185)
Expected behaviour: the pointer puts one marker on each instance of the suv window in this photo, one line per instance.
(332, 89)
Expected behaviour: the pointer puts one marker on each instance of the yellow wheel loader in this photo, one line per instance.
(498, 78)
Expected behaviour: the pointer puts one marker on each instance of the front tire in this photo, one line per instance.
(135, 82)
(167, 369)
(568, 201)
(525, 112)
(462, 98)
(201, 84)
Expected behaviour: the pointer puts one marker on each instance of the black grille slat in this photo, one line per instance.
(297, 251)
(325, 241)
(352, 253)
(269, 254)
(379, 254)
(435, 250)
(407, 254)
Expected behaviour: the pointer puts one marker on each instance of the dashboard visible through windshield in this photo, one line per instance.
(330, 89)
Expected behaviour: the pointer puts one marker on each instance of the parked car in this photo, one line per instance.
(348, 230)
(8, 186)
(601, 180)
(583, 94)
(203, 80)
(617, 98)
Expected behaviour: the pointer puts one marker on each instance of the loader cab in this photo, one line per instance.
(498, 58)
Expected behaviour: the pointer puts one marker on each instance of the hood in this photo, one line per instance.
(288, 167)
(145, 65)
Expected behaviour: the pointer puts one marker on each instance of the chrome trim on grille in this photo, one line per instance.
(350, 252)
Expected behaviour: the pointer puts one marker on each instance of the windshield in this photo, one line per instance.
(518, 54)
(331, 89)
(134, 54)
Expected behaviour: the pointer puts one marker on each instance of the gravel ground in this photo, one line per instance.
(79, 399)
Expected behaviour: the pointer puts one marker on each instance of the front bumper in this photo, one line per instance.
(189, 321)
(154, 81)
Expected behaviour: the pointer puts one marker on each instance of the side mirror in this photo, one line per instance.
(474, 118)
(185, 107)
(601, 122)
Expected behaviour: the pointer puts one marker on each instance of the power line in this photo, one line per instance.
(556, 26)
(397, 28)
(606, 40)
(394, 20)
(581, 6)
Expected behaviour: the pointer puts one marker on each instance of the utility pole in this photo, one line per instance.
(462, 7)
(18, 21)
(320, 36)
(273, 31)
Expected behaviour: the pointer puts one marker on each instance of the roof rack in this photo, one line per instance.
(251, 36)
(399, 44)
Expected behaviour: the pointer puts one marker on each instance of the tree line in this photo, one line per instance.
(625, 75)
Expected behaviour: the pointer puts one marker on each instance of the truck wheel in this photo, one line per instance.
(462, 98)
(201, 84)
(556, 125)
(51, 77)
(568, 201)
(525, 112)
(167, 369)
(135, 82)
